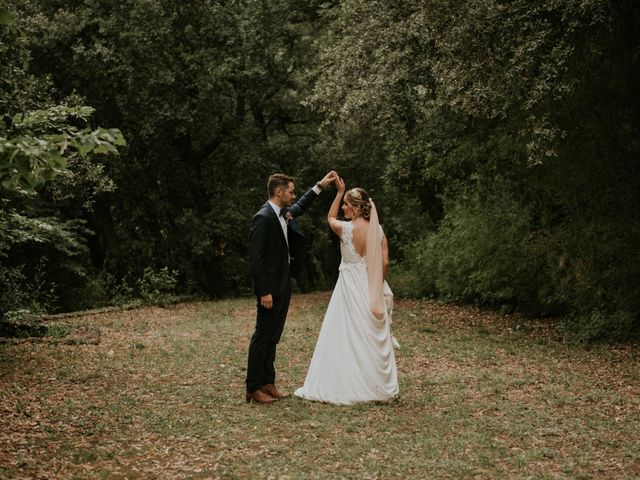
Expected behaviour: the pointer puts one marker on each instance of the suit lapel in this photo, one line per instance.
(275, 218)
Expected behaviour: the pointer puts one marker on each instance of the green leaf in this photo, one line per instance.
(84, 148)
(5, 17)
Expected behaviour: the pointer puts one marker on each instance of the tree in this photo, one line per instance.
(488, 110)
(40, 138)
(209, 95)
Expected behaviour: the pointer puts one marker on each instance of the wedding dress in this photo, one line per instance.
(354, 359)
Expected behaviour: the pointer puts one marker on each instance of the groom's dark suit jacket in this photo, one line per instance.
(268, 253)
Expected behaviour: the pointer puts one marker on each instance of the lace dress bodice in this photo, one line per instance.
(347, 248)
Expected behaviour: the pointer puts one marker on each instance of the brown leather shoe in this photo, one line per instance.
(271, 390)
(260, 397)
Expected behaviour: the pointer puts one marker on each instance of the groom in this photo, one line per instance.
(276, 252)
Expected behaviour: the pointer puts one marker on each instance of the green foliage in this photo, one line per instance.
(103, 289)
(510, 137)
(43, 138)
(499, 139)
(24, 296)
(156, 286)
(44, 143)
(598, 276)
(484, 253)
(40, 257)
(5, 16)
(602, 325)
(209, 95)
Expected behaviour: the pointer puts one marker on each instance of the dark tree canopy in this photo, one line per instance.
(499, 138)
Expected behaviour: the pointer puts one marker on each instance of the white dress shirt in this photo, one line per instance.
(283, 222)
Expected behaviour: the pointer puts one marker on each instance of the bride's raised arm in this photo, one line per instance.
(332, 216)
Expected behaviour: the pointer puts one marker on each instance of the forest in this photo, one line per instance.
(499, 139)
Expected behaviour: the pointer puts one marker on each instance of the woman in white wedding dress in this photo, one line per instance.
(354, 359)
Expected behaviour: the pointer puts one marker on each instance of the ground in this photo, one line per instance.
(159, 394)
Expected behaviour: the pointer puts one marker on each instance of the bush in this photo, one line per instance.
(602, 326)
(22, 296)
(492, 250)
(599, 278)
(154, 286)
(485, 253)
(158, 286)
(406, 278)
(104, 289)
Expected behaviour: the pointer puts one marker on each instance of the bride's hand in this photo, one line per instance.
(340, 185)
(328, 178)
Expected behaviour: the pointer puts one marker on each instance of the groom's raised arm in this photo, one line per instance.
(307, 199)
(304, 202)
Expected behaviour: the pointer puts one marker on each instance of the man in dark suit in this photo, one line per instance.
(277, 252)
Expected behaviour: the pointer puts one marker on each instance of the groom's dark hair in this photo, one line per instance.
(278, 180)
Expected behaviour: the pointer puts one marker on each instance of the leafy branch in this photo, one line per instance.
(45, 143)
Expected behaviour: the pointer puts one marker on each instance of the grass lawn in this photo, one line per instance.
(162, 396)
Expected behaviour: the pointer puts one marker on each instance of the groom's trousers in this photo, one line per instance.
(262, 349)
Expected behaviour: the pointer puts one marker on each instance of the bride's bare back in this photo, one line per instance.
(359, 224)
(359, 232)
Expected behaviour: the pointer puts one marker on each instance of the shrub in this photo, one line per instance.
(485, 252)
(24, 296)
(158, 286)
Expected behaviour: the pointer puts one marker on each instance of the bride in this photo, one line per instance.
(354, 359)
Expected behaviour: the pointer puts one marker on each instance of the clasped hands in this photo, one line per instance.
(330, 177)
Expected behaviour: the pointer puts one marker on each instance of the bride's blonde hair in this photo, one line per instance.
(358, 197)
